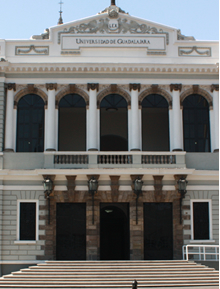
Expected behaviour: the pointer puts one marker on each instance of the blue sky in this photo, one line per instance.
(22, 18)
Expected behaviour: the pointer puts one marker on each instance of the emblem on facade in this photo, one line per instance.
(108, 26)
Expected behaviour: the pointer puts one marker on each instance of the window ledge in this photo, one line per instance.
(24, 242)
(201, 241)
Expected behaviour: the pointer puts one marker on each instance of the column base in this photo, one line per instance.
(8, 150)
(92, 150)
(177, 150)
(216, 151)
(135, 150)
(50, 150)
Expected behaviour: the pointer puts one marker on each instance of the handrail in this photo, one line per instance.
(202, 252)
(113, 153)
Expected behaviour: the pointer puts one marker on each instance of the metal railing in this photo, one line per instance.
(202, 252)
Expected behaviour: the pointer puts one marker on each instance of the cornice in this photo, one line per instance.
(111, 68)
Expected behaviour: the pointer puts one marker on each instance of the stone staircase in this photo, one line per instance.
(113, 274)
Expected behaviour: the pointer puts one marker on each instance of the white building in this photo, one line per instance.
(113, 98)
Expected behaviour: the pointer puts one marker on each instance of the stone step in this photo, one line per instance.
(149, 274)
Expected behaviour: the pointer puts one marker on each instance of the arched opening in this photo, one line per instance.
(155, 123)
(196, 126)
(30, 124)
(114, 231)
(114, 123)
(72, 123)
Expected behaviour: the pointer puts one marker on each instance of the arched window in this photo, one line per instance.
(30, 124)
(114, 123)
(196, 124)
(155, 123)
(72, 123)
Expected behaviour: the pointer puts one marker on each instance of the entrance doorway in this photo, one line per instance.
(71, 231)
(158, 231)
(114, 231)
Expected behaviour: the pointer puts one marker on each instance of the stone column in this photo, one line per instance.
(134, 121)
(9, 122)
(92, 127)
(51, 117)
(215, 93)
(177, 132)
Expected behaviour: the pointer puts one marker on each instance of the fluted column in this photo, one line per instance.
(215, 93)
(134, 121)
(177, 129)
(92, 123)
(51, 117)
(9, 121)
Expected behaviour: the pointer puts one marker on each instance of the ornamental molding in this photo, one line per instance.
(51, 86)
(194, 51)
(113, 89)
(97, 68)
(43, 36)
(104, 26)
(10, 86)
(72, 89)
(29, 89)
(196, 89)
(156, 89)
(31, 50)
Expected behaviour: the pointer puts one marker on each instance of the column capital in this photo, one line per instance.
(51, 86)
(175, 87)
(10, 86)
(134, 86)
(214, 87)
(93, 86)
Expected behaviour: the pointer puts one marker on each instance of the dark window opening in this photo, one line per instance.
(201, 220)
(30, 124)
(27, 221)
(72, 123)
(113, 123)
(196, 124)
(155, 123)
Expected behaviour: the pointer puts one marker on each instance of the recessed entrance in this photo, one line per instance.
(71, 231)
(158, 231)
(114, 231)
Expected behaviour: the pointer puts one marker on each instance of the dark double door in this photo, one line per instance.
(71, 231)
(158, 231)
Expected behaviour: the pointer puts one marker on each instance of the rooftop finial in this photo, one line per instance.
(60, 21)
(112, 2)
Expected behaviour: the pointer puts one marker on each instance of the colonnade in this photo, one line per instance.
(93, 122)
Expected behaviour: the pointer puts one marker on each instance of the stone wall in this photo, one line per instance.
(2, 115)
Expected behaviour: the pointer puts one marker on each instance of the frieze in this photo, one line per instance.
(105, 25)
(194, 51)
(32, 50)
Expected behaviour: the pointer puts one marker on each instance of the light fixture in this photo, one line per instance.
(138, 183)
(182, 182)
(48, 187)
(93, 186)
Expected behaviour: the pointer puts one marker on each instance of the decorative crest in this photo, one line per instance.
(60, 21)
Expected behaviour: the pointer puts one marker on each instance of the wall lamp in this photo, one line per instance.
(93, 186)
(138, 183)
(48, 187)
(182, 182)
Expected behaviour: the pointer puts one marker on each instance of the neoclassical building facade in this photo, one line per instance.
(110, 99)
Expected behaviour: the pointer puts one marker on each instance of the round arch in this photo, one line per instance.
(28, 90)
(72, 89)
(113, 89)
(200, 91)
(156, 90)
(155, 123)
(196, 123)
